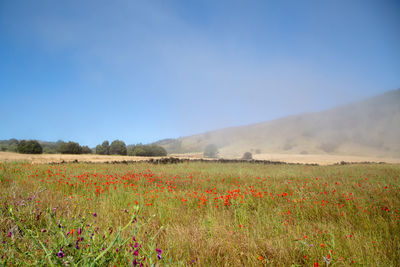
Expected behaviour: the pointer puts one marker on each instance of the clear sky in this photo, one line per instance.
(141, 71)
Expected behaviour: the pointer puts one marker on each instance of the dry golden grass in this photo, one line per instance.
(321, 159)
(46, 158)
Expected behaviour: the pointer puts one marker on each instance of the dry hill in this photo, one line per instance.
(367, 128)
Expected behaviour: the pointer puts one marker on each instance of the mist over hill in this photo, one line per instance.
(370, 127)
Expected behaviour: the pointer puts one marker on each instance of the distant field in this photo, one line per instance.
(46, 158)
(290, 158)
(199, 213)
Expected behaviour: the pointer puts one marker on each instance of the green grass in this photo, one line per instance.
(199, 214)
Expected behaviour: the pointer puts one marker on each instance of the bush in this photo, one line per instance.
(69, 148)
(103, 149)
(13, 145)
(29, 147)
(210, 151)
(329, 147)
(247, 155)
(118, 147)
(146, 151)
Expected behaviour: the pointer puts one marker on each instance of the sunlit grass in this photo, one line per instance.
(200, 214)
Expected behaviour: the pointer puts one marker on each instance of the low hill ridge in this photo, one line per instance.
(370, 127)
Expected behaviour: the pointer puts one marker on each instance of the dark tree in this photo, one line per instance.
(29, 147)
(69, 148)
(210, 151)
(146, 150)
(247, 155)
(118, 147)
(86, 150)
(103, 149)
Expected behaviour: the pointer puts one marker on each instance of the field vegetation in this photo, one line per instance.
(199, 213)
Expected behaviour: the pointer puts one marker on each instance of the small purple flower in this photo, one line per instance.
(116, 250)
(134, 262)
(136, 245)
(136, 253)
(159, 252)
(95, 214)
(60, 254)
(79, 231)
(9, 234)
(77, 246)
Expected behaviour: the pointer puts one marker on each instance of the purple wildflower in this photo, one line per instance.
(9, 234)
(60, 254)
(95, 214)
(136, 253)
(159, 252)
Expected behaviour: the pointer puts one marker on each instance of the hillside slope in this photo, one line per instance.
(368, 128)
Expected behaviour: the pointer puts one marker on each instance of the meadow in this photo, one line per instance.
(199, 213)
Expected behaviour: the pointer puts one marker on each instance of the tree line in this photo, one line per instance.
(117, 147)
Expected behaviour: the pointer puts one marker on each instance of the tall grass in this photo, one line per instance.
(199, 213)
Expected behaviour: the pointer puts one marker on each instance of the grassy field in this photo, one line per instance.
(199, 213)
(321, 159)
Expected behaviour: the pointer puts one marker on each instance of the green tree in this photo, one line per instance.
(210, 151)
(29, 147)
(146, 150)
(139, 151)
(118, 147)
(103, 149)
(69, 148)
(86, 150)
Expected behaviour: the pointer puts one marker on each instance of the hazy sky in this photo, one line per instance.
(141, 71)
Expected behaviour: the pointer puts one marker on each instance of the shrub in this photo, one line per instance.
(13, 145)
(29, 147)
(210, 151)
(69, 148)
(118, 147)
(247, 155)
(328, 147)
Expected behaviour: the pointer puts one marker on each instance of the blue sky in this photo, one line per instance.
(141, 71)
